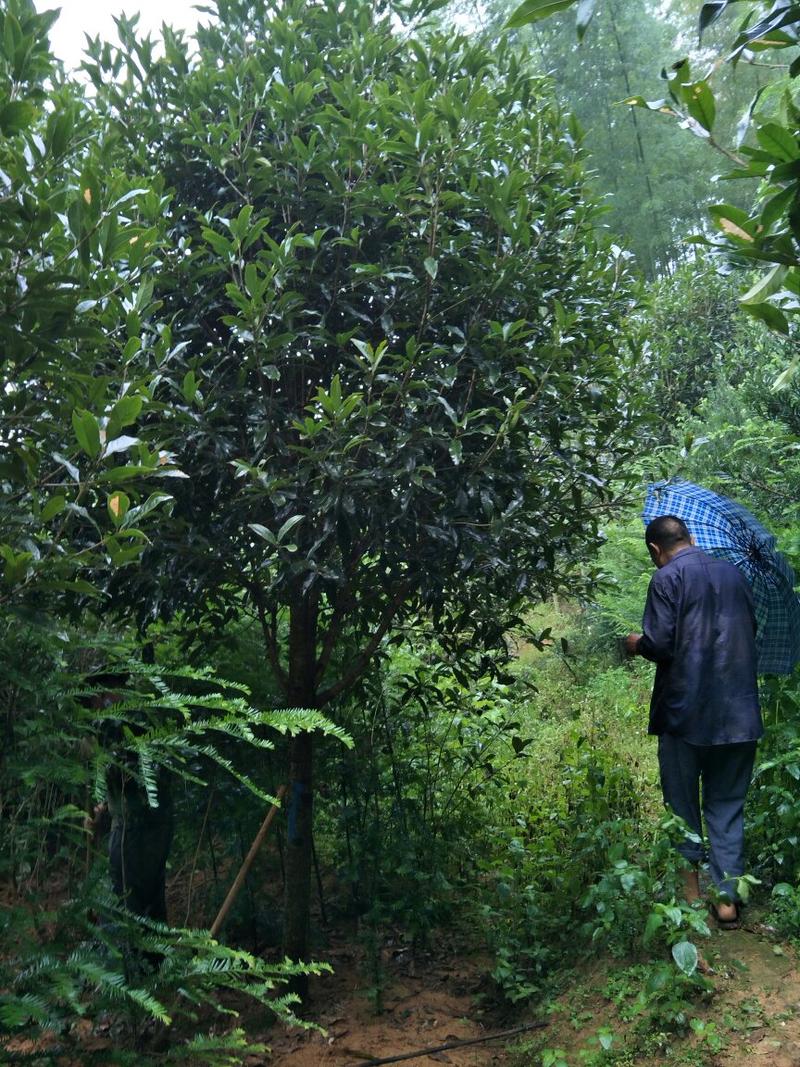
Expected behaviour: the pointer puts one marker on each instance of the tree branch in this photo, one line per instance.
(361, 661)
(331, 634)
(269, 629)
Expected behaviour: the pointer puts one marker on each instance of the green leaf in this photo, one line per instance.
(15, 116)
(118, 505)
(432, 267)
(606, 1038)
(87, 432)
(241, 224)
(189, 386)
(772, 316)
(701, 104)
(766, 286)
(120, 444)
(777, 207)
(783, 889)
(733, 222)
(54, 506)
(686, 956)
(654, 922)
(289, 525)
(138, 513)
(778, 141)
(710, 12)
(786, 376)
(678, 78)
(125, 411)
(535, 10)
(263, 532)
(125, 473)
(221, 245)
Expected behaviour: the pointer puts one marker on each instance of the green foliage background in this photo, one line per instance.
(326, 386)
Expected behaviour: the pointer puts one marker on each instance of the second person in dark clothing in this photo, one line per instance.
(140, 833)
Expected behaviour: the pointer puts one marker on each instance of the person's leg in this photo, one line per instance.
(726, 779)
(160, 840)
(679, 765)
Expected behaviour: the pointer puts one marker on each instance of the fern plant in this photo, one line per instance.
(176, 719)
(89, 955)
(99, 965)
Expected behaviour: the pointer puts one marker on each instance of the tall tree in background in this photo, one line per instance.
(764, 228)
(658, 181)
(394, 375)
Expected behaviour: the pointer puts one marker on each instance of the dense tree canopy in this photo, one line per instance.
(394, 373)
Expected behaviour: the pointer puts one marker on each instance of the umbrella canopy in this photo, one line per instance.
(727, 530)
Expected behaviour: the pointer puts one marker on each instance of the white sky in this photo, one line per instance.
(79, 17)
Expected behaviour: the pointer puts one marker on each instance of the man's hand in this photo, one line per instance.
(94, 824)
(631, 643)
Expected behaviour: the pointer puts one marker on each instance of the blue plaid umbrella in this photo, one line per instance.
(725, 529)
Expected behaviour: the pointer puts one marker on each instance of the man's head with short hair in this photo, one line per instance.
(665, 536)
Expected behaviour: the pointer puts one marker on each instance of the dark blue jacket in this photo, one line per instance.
(699, 628)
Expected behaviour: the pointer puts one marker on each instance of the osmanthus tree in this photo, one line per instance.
(398, 377)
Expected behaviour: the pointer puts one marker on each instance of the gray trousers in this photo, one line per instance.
(724, 771)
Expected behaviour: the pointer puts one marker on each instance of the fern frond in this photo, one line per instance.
(16, 1012)
(303, 720)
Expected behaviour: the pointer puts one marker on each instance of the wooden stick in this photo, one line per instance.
(452, 1045)
(258, 841)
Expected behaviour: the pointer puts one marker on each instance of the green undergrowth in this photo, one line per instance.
(581, 851)
(586, 899)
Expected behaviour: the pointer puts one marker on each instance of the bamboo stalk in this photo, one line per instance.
(258, 841)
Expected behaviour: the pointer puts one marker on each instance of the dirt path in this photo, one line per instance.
(757, 1005)
(425, 1003)
(752, 1018)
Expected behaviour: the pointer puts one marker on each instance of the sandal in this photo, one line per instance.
(727, 924)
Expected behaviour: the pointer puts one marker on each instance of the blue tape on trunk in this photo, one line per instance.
(299, 789)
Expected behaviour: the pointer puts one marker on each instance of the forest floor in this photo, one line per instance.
(426, 1000)
(751, 1018)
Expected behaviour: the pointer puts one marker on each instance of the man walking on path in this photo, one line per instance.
(699, 629)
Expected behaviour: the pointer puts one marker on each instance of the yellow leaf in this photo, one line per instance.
(734, 230)
(114, 505)
(87, 195)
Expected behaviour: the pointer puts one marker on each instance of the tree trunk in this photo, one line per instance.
(298, 848)
(625, 66)
(302, 694)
